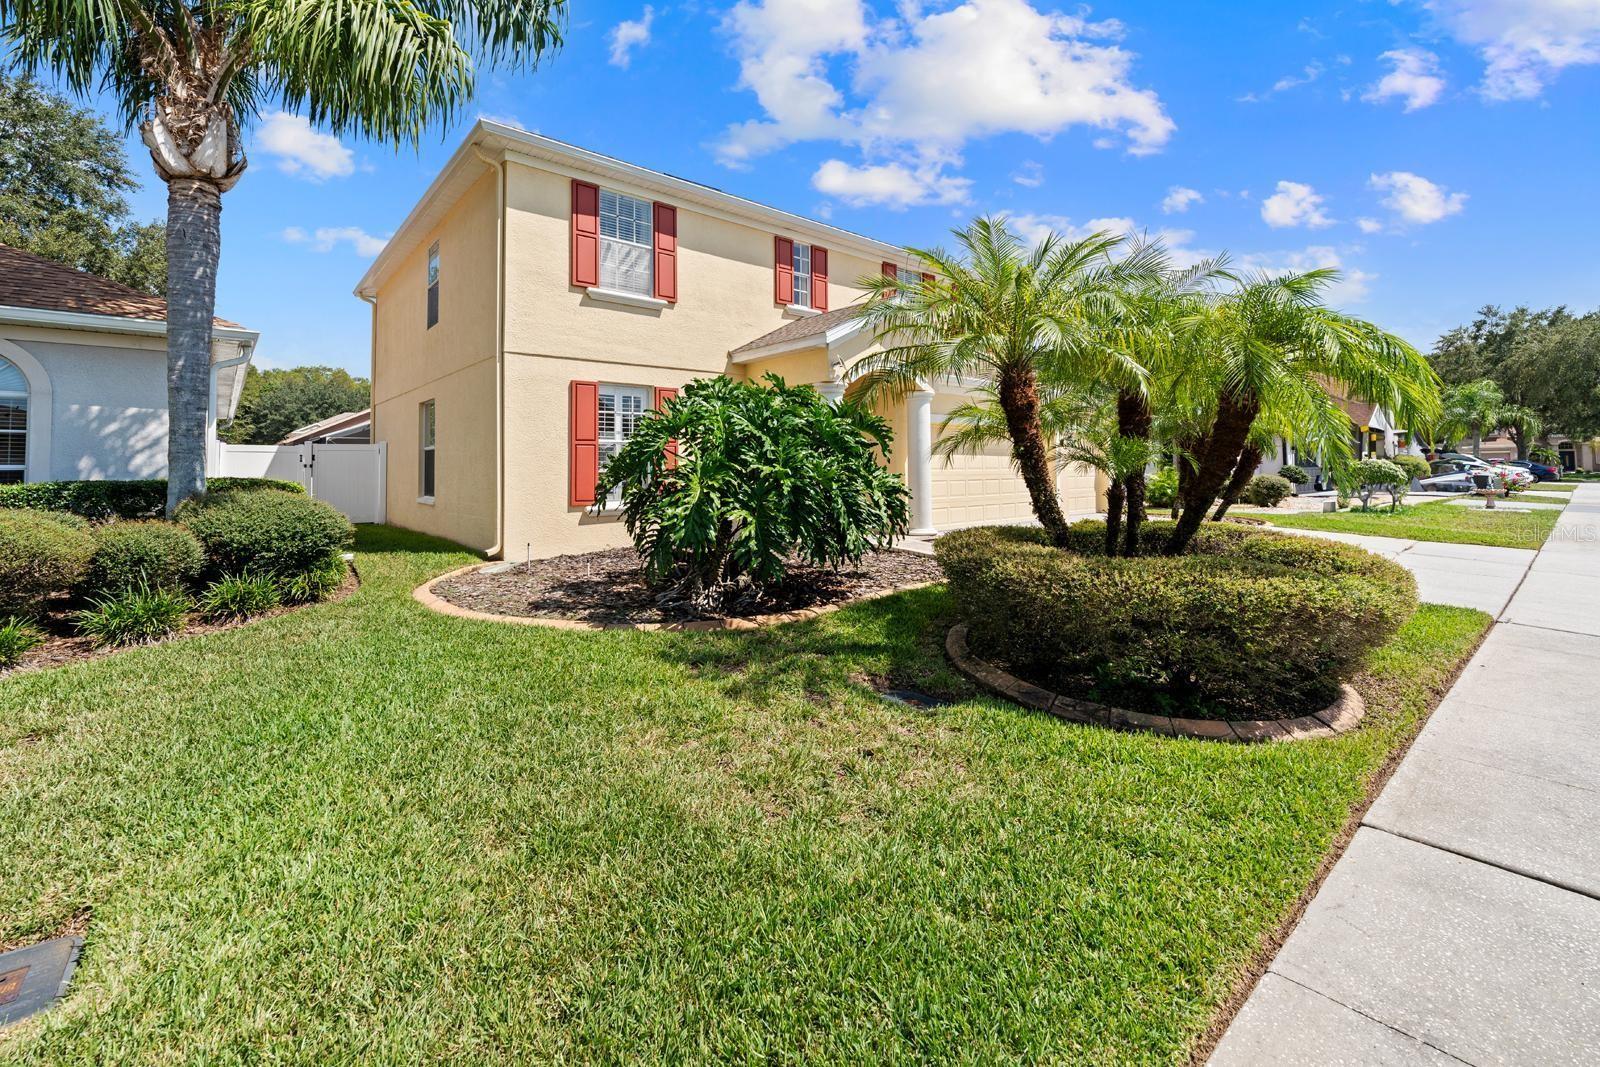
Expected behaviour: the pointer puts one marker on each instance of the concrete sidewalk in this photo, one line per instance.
(1463, 923)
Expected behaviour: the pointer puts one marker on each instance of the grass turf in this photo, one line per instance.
(364, 831)
(1437, 520)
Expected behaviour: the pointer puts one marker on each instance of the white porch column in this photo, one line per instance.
(831, 391)
(919, 460)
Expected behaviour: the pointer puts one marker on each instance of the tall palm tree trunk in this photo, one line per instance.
(1249, 460)
(1216, 460)
(1134, 420)
(1116, 495)
(1019, 399)
(194, 246)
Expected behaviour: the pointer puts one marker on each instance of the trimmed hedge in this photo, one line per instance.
(1247, 624)
(160, 555)
(41, 554)
(132, 499)
(1414, 467)
(1267, 490)
(277, 534)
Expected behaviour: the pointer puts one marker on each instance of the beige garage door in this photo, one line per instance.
(972, 490)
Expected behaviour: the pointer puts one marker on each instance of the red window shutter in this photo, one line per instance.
(666, 227)
(585, 234)
(783, 270)
(662, 396)
(890, 271)
(927, 280)
(819, 278)
(583, 443)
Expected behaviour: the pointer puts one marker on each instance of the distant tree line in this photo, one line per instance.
(63, 181)
(275, 403)
(1530, 373)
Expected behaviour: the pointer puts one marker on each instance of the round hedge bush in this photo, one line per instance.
(127, 555)
(278, 534)
(41, 554)
(1248, 624)
(1415, 467)
(1267, 490)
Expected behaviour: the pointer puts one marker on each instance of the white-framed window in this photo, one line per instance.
(427, 461)
(907, 277)
(621, 409)
(13, 423)
(626, 244)
(433, 285)
(802, 275)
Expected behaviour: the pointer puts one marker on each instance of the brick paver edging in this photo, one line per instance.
(1342, 715)
(425, 596)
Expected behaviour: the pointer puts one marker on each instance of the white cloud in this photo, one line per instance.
(892, 185)
(1369, 225)
(1179, 199)
(1030, 174)
(302, 151)
(924, 84)
(1413, 76)
(327, 238)
(1035, 228)
(1294, 204)
(629, 34)
(1308, 74)
(1416, 199)
(1352, 287)
(1524, 43)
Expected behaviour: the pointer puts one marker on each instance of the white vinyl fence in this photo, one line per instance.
(350, 477)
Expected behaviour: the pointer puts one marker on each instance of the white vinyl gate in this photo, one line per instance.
(350, 477)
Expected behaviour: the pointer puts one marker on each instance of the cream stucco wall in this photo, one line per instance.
(452, 364)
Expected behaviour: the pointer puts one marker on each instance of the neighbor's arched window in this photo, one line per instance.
(13, 422)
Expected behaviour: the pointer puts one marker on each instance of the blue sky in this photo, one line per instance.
(1442, 152)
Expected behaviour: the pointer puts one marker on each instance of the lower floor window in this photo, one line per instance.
(621, 408)
(13, 438)
(428, 451)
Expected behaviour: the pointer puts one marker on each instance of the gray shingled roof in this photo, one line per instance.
(800, 329)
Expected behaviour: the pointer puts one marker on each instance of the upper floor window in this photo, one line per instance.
(433, 284)
(908, 278)
(13, 423)
(802, 275)
(626, 244)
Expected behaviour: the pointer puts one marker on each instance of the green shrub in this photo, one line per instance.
(41, 554)
(239, 597)
(763, 473)
(1267, 490)
(318, 583)
(1293, 475)
(128, 499)
(1414, 467)
(1162, 490)
(1247, 624)
(16, 637)
(1371, 475)
(133, 616)
(144, 552)
(1545, 454)
(269, 533)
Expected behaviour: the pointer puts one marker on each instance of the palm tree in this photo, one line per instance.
(191, 73)
(1473, 407)
(1523, 424)
(1272, 346)
(999, 313)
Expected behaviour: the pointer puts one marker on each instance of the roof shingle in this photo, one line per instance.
(30, 281)
(799, 329)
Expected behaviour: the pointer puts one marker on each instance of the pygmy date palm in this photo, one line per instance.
(191, 73)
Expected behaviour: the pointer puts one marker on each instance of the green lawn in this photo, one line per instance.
(1436, 520)
(366, 832)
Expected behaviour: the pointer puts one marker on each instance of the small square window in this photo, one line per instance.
(427, 451)
(433, 285)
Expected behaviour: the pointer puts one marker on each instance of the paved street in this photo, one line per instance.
(1463, 923)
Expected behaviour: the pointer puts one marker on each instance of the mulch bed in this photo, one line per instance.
(608, 588)
(62, 646)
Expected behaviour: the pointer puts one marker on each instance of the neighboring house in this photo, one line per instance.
(1373, 435)
(345, 428)
(1574, 455)
(541, 298)
(83, 375)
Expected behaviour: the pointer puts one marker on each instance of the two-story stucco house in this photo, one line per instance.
(540, 298)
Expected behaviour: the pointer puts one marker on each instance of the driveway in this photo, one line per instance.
(1462, 925)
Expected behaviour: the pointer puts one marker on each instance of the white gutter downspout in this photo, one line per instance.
(499, 167)
(213, 446)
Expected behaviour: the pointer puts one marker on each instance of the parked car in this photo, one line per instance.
(1544, 472)
(1448, 477)
(1462, 457)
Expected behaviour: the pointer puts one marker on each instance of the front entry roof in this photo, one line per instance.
(823, 330)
